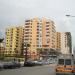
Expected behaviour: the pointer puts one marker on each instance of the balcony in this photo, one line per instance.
(27, 20)
(27, 23)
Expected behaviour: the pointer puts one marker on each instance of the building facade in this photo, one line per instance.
(39, 33)
(58, 41)
(63, 42)
(66, 43)
(14, 40)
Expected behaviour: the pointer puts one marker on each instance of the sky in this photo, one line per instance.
(15, 12)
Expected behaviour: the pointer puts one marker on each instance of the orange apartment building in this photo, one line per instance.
(39, 33)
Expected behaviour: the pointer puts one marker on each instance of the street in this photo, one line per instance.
(37, 70)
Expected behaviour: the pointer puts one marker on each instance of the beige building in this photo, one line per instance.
(39, 33)
(63, 42)
(14, 40)
(58, 41)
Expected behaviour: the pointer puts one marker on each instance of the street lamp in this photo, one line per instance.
(69, 15)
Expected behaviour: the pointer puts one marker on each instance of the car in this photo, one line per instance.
(11, 65)
(17, 64)
(8, 65)
(45, 62)
(38, 63)
(29, 63)
(1, 65)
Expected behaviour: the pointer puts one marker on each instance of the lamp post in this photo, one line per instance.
(70, 16)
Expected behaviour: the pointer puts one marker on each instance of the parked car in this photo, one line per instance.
(17, 64)
(38, 63)
(11, 65)
(8, 65)
(29, 63)
(1, 65)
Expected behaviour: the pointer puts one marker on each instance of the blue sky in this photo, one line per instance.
(14, 12)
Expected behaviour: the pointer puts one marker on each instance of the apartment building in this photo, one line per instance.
(58, 41)
(39, 33)
(66, 43)
(14, 40)
(63, 42)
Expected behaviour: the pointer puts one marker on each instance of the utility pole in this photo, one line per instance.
(70, 16)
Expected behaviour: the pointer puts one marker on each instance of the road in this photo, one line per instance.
(37, 70)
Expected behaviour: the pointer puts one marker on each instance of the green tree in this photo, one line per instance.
(1, 54)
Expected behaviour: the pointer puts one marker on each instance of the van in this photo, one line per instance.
(64, 67)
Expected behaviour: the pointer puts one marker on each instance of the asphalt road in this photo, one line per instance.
(38, 70)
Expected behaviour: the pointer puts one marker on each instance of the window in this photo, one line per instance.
(37, 35)
(16, 46)
(26, 26)
(37, 29)
(47, 25)
(61, 61)
(74, 62)
(26, 29)
(37, 45)
(27, 23)
(47, 35)
(48, 32)
(27, 36)
(37, 32)
(67, 61)
(47, 28)
(26, 32)
(38, 23)
(47, 22)
(37, 38)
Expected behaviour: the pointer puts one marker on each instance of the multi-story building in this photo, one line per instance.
(48, 34)
(14, 40)
(63, 42)
(58, 41)
(39, 33)
(66, 43)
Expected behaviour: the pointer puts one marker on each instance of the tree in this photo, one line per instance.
(39, 51)
(1, 53)
(26, 46)
(1, 40)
